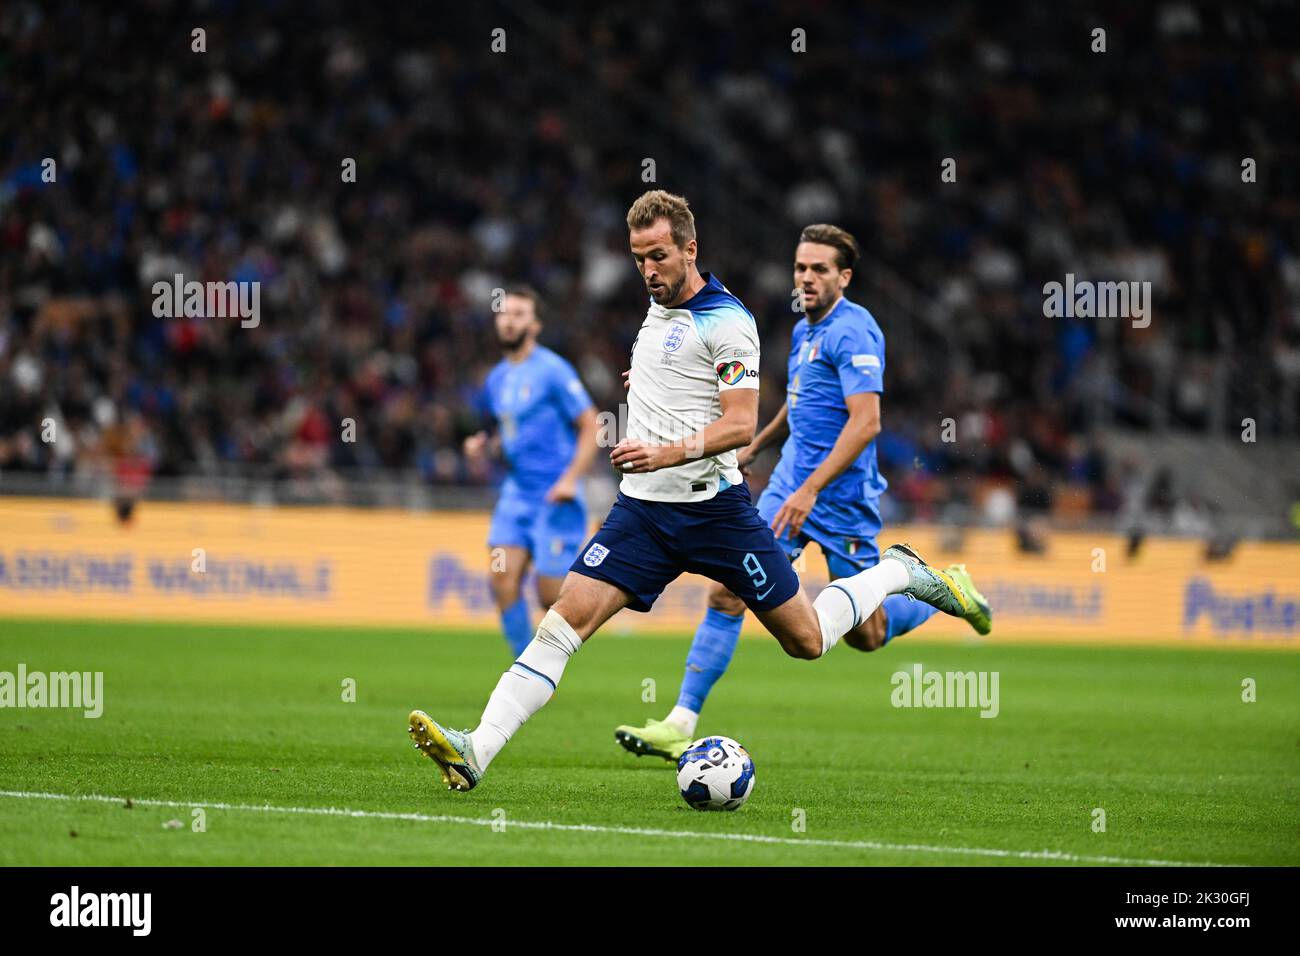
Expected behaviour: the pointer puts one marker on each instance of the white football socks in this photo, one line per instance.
(683, 719)
(525, 688)
(847, 602)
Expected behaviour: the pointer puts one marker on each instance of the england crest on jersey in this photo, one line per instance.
(674, 337)
(595, 554)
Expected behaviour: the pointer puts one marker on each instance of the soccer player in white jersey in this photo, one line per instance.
(683, 505)
(825, 488)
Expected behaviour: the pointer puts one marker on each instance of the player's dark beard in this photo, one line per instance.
(670, 293)
(512, 345)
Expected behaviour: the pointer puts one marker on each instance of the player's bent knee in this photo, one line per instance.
(807, 648)
(802, 644)
(796, 627)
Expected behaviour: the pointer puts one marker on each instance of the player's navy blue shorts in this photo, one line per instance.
(644, 545)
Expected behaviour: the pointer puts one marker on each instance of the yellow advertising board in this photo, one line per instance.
(246, 564)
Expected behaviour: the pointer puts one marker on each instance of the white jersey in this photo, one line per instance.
(682, 361)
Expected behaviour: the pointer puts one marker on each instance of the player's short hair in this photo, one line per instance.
(658, 204)
(524, 291)
(841, 240)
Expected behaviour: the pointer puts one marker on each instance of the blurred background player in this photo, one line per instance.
(826, 486)
(546, 431)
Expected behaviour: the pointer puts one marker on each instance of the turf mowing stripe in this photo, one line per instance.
(1048, 855)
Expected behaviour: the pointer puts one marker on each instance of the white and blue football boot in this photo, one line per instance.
(939, 589)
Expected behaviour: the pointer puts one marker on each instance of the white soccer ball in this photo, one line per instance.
(715, 773)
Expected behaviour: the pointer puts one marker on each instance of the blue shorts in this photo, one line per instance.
(551, 533)
(846, 555)
(644, 545)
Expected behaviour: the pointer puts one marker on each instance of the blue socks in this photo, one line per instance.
(716, 637)
(715, 642)
(518, 625)
(904, 615)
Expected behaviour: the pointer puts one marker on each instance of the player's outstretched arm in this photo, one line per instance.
(733, 429)
(584, 453)
(773, 433)
(858, 432)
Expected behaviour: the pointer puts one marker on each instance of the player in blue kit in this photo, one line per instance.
(683, 505)
(546, 430)
(826, 486)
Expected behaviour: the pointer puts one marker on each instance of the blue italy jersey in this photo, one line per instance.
(841, 355)
(536, 403)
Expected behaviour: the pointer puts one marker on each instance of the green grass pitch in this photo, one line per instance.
(241, 719)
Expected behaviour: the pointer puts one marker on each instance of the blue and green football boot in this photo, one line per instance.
(980, 616)
(657, 738)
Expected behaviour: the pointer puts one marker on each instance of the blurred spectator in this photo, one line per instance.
(475, 169)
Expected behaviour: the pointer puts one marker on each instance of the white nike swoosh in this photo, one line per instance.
(766, 593)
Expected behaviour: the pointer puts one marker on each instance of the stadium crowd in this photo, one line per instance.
(477, 166)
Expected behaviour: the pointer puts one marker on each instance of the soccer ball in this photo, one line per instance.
(715, 773)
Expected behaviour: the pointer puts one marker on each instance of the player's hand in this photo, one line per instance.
(745, 460)
(476, 445)
(794, 512)
(564, 489)
(637, 457)
(627, 379)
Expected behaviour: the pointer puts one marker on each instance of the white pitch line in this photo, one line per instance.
(1056, 855)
